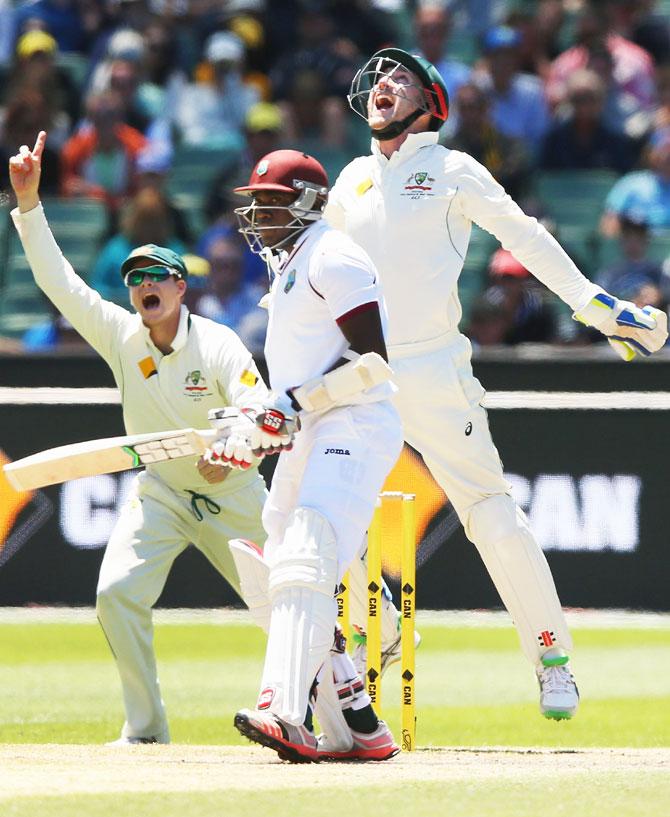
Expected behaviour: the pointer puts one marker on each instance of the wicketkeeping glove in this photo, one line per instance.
(630, 329)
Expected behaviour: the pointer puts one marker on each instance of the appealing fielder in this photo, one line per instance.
(326, 360)
(410, 205)
(171, 368)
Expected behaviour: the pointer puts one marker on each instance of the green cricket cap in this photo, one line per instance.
(161, 255)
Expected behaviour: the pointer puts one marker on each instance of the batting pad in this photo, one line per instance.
(336, 735)
(302, 582)
(254, 574)
(500, 531)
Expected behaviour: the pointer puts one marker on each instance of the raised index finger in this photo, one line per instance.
(39, 145)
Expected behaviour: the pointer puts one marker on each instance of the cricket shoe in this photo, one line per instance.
(133, 740)
(379, 745)
(559, 696)
(390, 655)
(296, 744)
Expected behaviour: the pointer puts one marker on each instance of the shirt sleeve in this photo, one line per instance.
(240, 382)
(98, 321)
(485, 202)
(345, 278)
(334, 212)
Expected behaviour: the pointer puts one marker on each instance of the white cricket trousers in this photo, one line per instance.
(439, 401)
(321, 502)
(337, 467)
(153, 528)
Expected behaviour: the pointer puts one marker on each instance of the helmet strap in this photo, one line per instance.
(396, 128)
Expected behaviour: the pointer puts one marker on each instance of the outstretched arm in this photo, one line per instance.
(25, 169)
(98, 321)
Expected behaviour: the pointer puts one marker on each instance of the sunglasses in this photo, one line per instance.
(155, 274)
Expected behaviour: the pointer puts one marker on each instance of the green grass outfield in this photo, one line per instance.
(474, 689)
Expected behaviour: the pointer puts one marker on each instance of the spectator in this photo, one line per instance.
(100, 159)
(518, 107)
(56, 332)
(318, 50)
(540, 30)
(504, 156)
(263, 129)
(661, 117)
(645, 191)
(26, 114)
(227, 300)
(120, 15)
(316, 123)
(60, 18)
(635, 277)
(198, 279)
(636, 20)
(6, 32)
(35, 67)
(163, 75)
(632, 70)
(519, 298)
(210, 114)
(432, 29)
(264, 133)
(153, 169)
(583, 141)
(145, 219)
(489, 318)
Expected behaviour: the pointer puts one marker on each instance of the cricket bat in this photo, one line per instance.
(105, 456)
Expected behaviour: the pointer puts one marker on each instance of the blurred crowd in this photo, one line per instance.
(157, 109)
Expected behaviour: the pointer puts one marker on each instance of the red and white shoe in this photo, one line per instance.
(379, 745)
(293, 743)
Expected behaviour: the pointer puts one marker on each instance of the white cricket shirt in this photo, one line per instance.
(209, 366)
(324, 279)
(413, 214)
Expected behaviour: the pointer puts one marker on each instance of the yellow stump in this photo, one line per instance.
(373, 675)
(408, 612)
(343, 606)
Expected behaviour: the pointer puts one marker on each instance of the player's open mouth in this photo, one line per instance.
(383, 103)
(151, 301)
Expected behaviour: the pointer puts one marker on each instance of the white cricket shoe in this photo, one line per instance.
(379, 745)
(559, 696)
(132, 740)
(294, 743)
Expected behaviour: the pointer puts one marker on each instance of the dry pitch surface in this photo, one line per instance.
(49, 769)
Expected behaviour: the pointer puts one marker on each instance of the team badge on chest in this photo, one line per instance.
(419, 185)
(195, 385)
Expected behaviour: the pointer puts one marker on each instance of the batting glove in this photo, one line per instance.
(275, 426)
(630, 330)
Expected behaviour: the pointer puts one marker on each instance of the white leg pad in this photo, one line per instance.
(500, 531)
(254, 574)
(303, 575)
(336, 735)
(358, 602)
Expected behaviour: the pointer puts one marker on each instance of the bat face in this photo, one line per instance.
(105, 456)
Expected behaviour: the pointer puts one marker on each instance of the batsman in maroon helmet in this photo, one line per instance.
(338, 435)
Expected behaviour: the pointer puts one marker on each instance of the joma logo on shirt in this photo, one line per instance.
(341, 451)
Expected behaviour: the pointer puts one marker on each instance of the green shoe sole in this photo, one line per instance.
(557, 715)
